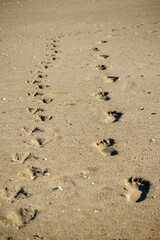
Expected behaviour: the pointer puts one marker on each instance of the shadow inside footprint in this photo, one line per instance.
(137, 189)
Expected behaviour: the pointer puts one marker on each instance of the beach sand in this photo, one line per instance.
(79, 100)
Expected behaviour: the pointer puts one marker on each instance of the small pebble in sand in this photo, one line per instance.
(152, 140)
(4, 99)
(46, 174)
(45, 159)
(56, 188)
(141, 108)
(37, 236)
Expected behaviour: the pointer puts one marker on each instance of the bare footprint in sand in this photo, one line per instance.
(18, 218)
(104, 56)
(101, 67)
(35, 110)
(101, 42)
(27, 215)
(15, 193)
(36, 81)
(43, 118)
(105, 147)
(95, 49)
(112, 116)
(38, 172)
(111, 79)
(41, 75)
(38, 142)
(47, 100)
(32, 130)
(42, 86)
(137, 189)
(35, 94)
(46, 64)
(102, 96)
(22, 158)
(33, 173)
(128, 85)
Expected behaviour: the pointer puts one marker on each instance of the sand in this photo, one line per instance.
(79, 100)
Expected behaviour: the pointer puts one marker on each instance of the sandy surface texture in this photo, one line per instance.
(79, 117)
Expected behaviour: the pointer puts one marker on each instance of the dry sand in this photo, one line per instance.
(79, 99)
